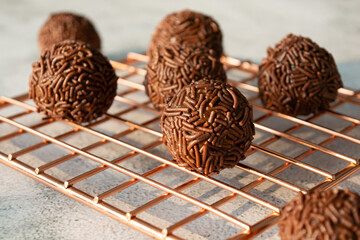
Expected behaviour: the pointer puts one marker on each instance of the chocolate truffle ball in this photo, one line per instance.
(207, 126)
(67, 26)
(73, 81)
(188, 28)
(298, 77)
(332, 214)
(174, 66)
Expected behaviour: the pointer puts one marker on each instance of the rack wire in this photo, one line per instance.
(118, 165)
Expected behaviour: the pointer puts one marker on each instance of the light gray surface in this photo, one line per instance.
(248, 26)
(29, 210)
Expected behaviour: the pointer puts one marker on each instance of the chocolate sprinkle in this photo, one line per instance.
(332, 214)
(73, 81)
(173, 66)
(190, 29)
(207, 135)
(298, 77)
(67, 26)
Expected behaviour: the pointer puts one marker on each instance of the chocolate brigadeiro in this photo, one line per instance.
(188, 28)
(332, 214)
(174, 66)
(67, 26)
(73, 81)
(298, 77)
(207, 126)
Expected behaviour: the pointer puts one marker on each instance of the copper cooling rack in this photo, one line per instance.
(119, 166)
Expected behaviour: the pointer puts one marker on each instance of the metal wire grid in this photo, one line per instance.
(131, 68)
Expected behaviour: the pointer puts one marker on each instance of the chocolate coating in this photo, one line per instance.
(298, 77)
(172, 67)
(207, 126)
(67, 26)
(188, 28)
(72, 81)
(332, 214)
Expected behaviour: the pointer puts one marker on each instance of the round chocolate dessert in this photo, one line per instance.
(67, 26)
(73, 81)
(332, 214)
(188, 28)
(173, 66)
(298, 77)
(207, 126)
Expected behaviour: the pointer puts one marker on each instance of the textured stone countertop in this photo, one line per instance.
(30, 210)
